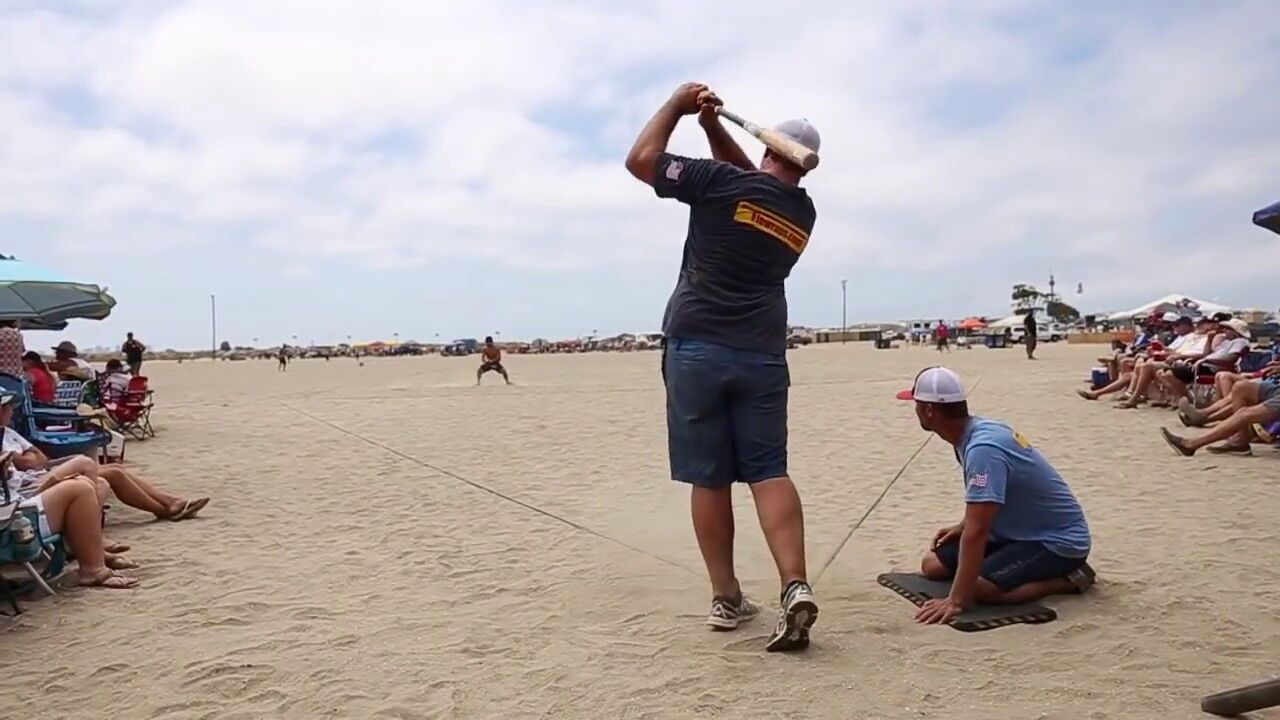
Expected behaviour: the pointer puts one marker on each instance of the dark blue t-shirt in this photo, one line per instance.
(746, 231)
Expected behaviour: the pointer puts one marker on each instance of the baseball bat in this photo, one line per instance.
(775, 141)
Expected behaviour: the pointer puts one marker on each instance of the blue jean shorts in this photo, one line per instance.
(1013, 563)
(726, 413)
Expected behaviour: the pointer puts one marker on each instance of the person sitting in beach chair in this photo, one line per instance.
(114, 383)
(34, 474)
(491, 361)
(1135, 364)
(1252, 402)
(1224, 384)
(1024, 534)
(44, 386)
(71, 509)
(1187, 348)
(68, 364)
(1227, 345)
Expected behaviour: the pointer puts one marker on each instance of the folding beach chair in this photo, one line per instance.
(131, 411)
(60, 432)
(67, 395)
(46, 548)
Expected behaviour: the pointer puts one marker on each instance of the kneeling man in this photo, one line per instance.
(1023, 535)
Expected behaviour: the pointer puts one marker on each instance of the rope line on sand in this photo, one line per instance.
(485, 488)
(888, 486)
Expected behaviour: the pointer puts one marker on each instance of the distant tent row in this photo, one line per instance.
(1181, 304)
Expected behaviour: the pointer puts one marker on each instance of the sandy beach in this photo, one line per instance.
(349, 566)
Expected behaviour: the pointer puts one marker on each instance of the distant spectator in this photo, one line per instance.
(943, 335)
(133, 350)
(68, 364)
(1030, 333)
(11, 348)
(44, 385)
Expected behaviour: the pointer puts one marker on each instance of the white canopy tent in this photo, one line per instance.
(1008, 322)
(1181, 304)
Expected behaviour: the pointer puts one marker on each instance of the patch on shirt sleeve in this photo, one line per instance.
(772, 224)
(674, 168)
(978, 480)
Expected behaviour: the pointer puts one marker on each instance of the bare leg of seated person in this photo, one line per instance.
(73, 511)
(1120, 384)
(1236, 430)
(138, 493)
(1145, 376)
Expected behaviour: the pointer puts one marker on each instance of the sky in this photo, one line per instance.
(454, 169)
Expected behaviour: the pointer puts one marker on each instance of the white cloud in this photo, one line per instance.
(409, 133)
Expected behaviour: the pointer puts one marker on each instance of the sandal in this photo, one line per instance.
(189, 509)
(107, 578)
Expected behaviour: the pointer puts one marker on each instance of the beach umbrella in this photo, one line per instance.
(40, 298)
(1268, 217)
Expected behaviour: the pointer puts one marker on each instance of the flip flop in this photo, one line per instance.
(115, 548)
(109, 579)
(189, 509)
(1085, 395)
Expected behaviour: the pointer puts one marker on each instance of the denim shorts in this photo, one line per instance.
(726, 413)
(1013, 563)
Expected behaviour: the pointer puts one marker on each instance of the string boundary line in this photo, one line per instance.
(883, 493)
(485, 488)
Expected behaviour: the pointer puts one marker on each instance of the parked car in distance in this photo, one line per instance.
(465, 346)
(1045, 332)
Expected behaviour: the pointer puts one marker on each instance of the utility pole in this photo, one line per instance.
(844, 311)
(213, 322)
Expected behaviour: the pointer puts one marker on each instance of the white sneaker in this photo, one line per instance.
(799, 613)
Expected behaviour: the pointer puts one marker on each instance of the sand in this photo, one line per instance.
(353, 572)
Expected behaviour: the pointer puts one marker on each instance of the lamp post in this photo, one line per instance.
(844, 311)
(213, 323)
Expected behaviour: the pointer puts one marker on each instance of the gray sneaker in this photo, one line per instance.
(726, 614)
(799, 613)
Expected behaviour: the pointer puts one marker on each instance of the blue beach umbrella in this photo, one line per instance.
(1268, 217)
(39, 298)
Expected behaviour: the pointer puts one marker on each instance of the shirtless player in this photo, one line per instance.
(491, 361)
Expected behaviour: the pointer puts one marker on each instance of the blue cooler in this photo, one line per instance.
(1101, 378)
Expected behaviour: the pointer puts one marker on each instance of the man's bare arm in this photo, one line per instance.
(978, 518)
(642, 161)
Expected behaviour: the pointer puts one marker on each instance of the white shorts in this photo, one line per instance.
(37, 503)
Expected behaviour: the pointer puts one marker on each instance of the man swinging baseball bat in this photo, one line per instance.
(724, 362)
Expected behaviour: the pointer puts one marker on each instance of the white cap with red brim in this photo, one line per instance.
(935, 385)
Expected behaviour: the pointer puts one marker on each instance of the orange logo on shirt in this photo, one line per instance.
(773, 224)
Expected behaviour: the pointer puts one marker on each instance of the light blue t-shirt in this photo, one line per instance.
(1001, 466)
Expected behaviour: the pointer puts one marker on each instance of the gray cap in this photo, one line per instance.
(801, 131)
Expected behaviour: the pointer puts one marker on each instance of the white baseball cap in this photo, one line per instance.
(935, 385)
(801, 131)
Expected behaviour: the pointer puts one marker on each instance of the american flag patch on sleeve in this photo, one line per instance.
(978, 480)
